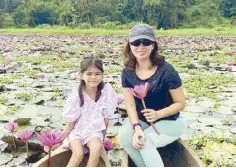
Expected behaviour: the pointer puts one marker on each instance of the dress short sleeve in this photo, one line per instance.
(124, 78)
(71, 109)
(172, 78)
(110, 100)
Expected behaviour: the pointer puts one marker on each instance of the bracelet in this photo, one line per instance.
(135, 124)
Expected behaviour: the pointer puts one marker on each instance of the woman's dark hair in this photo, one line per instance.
(129, 59)
(84, 65)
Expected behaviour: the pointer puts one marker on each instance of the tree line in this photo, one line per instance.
(116, 13)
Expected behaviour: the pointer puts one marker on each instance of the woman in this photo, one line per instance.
(164, 100)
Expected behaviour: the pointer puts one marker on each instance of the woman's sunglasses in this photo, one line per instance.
(145, 42)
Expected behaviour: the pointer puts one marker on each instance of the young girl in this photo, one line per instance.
(87, 111)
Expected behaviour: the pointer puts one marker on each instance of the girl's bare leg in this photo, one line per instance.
(95, 148)
(77, 153)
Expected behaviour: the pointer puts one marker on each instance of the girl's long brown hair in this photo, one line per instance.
(84, 65)
(129, 59)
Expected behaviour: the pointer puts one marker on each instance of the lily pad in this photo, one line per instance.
(195, 109)
(22, 121)
(49, 111)
(233, 130)
(29, 111)
(210, 121)
(224, 110)
(57, 125)
(6, 118)
(5, 158)
(198, 126)
(39, 121)
(16, 162)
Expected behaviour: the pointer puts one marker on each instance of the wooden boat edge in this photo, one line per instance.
(61, 150)
(191, 158)
(191, 152)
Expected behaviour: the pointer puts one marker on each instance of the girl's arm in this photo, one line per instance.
(67, 129)
(106, 120)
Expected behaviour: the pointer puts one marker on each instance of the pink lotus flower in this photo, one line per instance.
(25, 136)
(41, 76)
(120, 100)
(108, 145)
(229, 63)
(59, 54)
(229, 66)
(139, 91)
(11, 126)
(50, 139)
(73, 71)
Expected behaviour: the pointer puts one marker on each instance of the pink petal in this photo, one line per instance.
(120, 100)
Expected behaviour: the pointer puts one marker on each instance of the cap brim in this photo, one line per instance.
(131, 39)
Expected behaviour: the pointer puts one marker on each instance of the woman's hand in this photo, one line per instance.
(152, 115)
(138, 138)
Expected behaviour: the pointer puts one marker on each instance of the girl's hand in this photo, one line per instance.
(46, 148)
(152, 115)
(138, 139)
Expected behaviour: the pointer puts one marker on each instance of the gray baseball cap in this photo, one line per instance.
(140, 31)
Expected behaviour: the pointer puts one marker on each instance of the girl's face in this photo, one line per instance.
(92, 77)
(141, 48)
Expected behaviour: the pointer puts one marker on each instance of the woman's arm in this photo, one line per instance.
(131, 107)
(178, 105)
(138, 137)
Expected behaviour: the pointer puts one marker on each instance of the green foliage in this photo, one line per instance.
(1, 19)
(3, 100)
(201, 84)
(111, 14)
(85, 26)
(210, 147)
(25, 96)
(226, 6)
(31, 73)
(6, 20)
(56, 93)
(22, 85)
(112, 70)
(228, 120)
(20, 18)
(11, 109)
(59, 104)
(15, 76)
(5, 80)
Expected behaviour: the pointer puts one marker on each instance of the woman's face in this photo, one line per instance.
(92, 77)
(141, 48)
